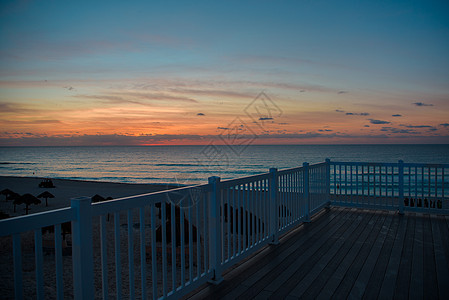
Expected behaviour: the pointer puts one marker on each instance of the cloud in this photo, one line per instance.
(422, 104)
(352, 113)
(69, 88)
(9, 107)
(343, 92)
(445, 124)
(357, 114)
(264, 119)
(130, 97)
(377, 122)
(396, 115)
(417, 126)
(398, 130)
(200, 114)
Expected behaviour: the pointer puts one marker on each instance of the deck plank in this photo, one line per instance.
(416, 277)
(389, 282)
(405, 266)
(299, 270)
(362, 280)
(301, 253)
(352, 273)
(440, 260)
(347, 253)
(252, 272)
(378, 274)
(430, 279)
(332, 267)
(301, 289)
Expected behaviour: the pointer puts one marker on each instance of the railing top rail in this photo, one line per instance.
(243, 180)
(131, 202)
(371, 164)
(317, 165)
(20, 224)
(296, 169)
(290, 170)
(340, 163)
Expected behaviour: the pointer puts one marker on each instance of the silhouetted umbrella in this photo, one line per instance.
(27, 199)
(13, 196)
(97, 198)
(46, 195)
(6, 192)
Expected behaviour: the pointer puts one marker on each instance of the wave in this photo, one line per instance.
(176, 165)
(16, 163)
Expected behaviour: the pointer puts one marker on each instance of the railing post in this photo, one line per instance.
(306, 191)
(328, 181)
(215, 234)
(83, 279)
(274, 206)
(401, 186)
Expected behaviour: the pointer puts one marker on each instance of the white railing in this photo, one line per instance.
(166, 244)
(398, 186)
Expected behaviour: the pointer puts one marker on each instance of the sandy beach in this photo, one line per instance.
(66, 189)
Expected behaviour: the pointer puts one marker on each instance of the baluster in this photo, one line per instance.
(104, 257)
(118, 265)
(39, 263)
(153, 251)
(17, 252)
(143, 261)
(58, 263)
(130, 254)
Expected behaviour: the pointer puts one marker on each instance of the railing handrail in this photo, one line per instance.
(20, 224)
(343, 163)
(129, 202)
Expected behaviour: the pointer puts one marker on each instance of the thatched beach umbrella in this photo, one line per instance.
(6, 192)
(46, 195)
(97, 198)
(27, 199)
(13, 196)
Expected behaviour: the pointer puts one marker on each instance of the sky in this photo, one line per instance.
(233, 72)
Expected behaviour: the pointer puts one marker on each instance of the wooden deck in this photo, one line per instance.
(347, 253)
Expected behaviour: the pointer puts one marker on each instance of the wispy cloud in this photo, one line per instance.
(398, 130)
(377, 122)
(136, 98)
(396, 115)
(422, 104)
(357, 114)
(445, 124)
(352, 113)
(417, 126)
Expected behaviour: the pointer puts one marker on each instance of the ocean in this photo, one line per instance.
(194, 164)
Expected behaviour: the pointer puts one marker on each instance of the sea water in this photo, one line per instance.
(194, 164)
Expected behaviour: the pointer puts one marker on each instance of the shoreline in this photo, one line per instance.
(65, 189)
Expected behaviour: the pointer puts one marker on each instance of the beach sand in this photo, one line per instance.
(65, 190)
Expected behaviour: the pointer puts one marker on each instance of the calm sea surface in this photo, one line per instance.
(194, 164)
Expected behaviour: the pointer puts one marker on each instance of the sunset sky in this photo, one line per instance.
(192, 72)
